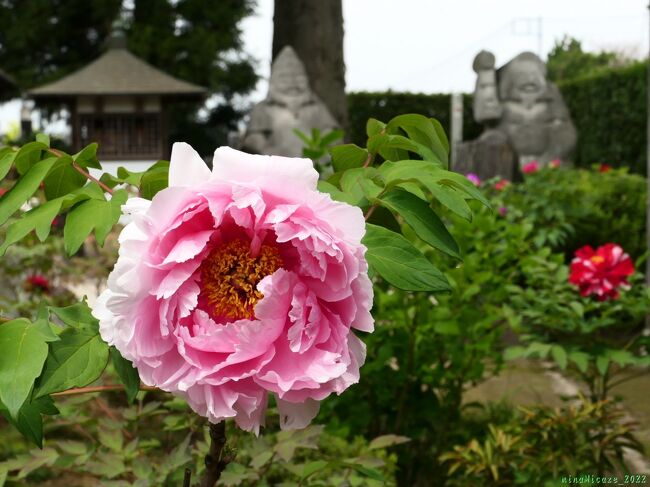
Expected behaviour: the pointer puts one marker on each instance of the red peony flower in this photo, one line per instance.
(601, 272)
(501, 184)
(2, 191)
(531, 167)
(604, 168)
(554, 164)
(38, 281)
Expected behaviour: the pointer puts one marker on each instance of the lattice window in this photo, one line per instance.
(128, 136)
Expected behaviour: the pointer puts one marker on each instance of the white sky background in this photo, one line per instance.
(428, 45)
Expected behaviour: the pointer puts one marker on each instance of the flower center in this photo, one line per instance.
(229, 277)
(597, 259)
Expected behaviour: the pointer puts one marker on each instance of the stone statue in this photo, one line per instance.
(523, 107)
(290, 104)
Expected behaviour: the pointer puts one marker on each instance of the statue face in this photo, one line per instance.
(290, 83)
(527, 80)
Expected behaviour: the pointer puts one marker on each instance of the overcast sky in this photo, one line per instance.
(428, 45)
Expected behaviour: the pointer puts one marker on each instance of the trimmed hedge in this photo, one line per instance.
(609, 111)
(384, 106)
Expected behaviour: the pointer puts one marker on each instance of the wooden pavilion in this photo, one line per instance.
(119, 101)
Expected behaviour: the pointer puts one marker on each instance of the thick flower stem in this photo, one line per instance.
(215, 461)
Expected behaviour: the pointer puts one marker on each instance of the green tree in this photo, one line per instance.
(567, 60)
(193, 40)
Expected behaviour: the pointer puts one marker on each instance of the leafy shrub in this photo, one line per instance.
(540, 444)
(609, 111)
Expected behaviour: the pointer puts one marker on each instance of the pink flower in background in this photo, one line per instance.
(601, 272)
(554, 164)
(2, 191)
(530, 167)
(476, 181)
(604, 168)
(503, 211)
(501, 184)
(38, 282)
(241, 282)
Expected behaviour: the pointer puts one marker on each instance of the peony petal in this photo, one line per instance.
(186, 168)
(296, 415)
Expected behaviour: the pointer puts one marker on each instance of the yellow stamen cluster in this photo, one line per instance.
(597, 259)
(229, 277)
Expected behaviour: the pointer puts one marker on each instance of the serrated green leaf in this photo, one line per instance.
(424, 221)
(127, 374)
(24, 189)
(348, 156)
(22, 354)
(76, 360)
(394, 258)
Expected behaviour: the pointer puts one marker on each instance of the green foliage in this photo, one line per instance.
(539, 445)
(609, 111)
(573, 208)
(568, 61)
(384, 106)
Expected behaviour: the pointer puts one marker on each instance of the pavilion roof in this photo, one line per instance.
(118, 72)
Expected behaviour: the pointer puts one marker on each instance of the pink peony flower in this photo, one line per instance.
(474, 179)
(3, 191)
(601, 272)
(241, 282)
(530, 168)
(554, 164)
(501, 184)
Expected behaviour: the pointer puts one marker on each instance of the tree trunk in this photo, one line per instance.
(314, 28)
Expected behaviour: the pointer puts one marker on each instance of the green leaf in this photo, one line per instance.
(559, 355)
(87, 157)
(155, 179)
(332, 137)
(359, 184)
(348, 156)
(39, 218)
(62, 179)
(387, 440)
(90, 215)
(29, 421)
(79, 315)
(581, 359)
(368, 472)
(602, 364)
(424, 221)
(22, 353)
(394, 258)
(512, 353)
(129, 177)
(24, 189)
(6, 161)
(127, 374)
(28, 156)
(422, 130)
(43, 139)
(76, 360)
(374, 126)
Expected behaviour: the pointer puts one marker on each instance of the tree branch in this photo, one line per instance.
(88, 390)
(215, 461)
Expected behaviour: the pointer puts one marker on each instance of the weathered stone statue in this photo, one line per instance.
(518, 101)
(290, 104)
(524, 116)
